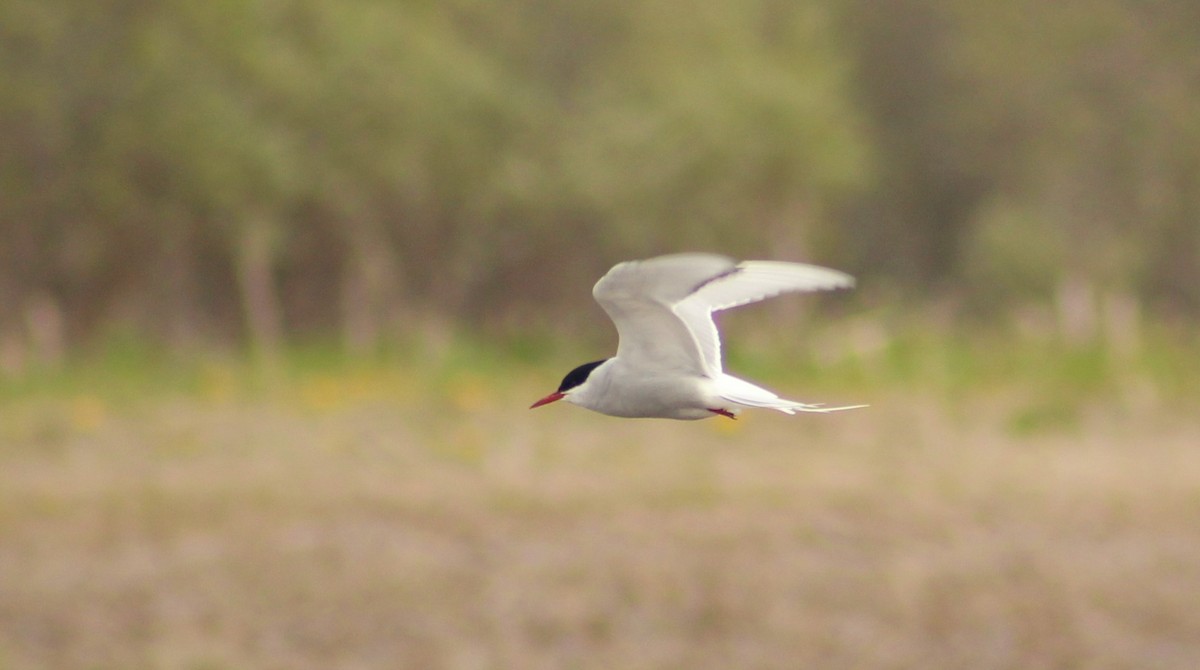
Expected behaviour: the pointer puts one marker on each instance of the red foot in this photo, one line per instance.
(723, 412)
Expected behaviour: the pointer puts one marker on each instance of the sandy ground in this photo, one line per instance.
(463, 531)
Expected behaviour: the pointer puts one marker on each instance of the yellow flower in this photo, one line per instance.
(87, 413)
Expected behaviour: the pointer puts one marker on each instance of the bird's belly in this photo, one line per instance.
(665, 398)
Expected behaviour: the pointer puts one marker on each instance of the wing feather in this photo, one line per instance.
(750, 281)
(662, 307)
(638, 296)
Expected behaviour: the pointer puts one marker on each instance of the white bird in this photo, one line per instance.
(668, 361)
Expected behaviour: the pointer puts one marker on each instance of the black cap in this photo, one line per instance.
(578, 376)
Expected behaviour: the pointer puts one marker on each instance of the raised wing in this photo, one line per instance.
(747, 282)
(662, 307)
(639, 297)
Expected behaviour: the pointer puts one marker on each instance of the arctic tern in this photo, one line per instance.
(668, 360)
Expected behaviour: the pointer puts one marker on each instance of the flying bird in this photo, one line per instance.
(668, 360)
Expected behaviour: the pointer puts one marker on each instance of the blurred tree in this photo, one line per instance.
(726, 126)
(936, 164)
(1100, 107)
(250, 171)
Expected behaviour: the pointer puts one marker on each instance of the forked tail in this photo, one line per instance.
(744, 393)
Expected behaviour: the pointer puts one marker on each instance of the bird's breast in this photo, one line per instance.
(626, 393)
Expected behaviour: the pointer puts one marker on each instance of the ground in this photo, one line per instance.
(339, 524)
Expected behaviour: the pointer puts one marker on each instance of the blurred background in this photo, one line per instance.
(279, 278)
(249, 173)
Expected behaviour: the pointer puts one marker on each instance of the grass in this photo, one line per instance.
(409, 512)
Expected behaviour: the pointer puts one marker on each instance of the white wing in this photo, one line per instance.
(750, 281)
(639, 296)
(662, 307)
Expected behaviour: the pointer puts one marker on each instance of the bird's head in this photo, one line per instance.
(573, 382)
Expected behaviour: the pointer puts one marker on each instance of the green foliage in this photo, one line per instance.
(1050, 378)
(225, 172)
